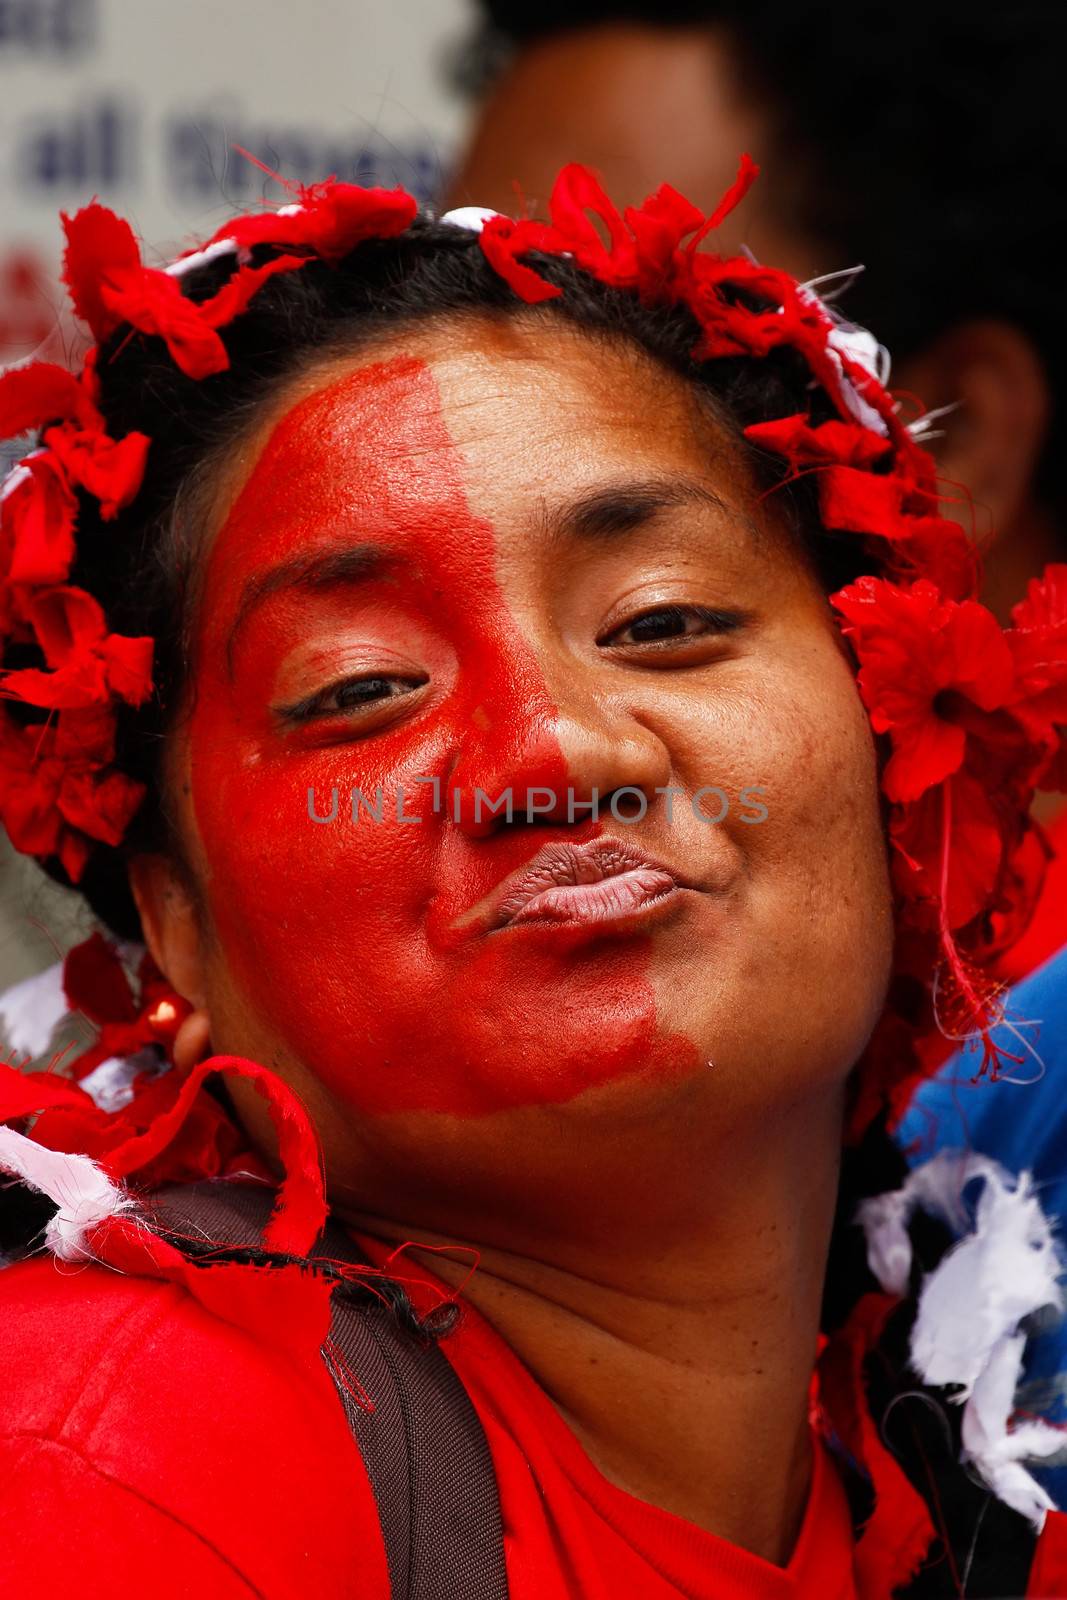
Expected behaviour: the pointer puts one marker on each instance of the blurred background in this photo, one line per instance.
(925, 144)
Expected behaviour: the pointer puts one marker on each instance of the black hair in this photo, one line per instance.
(924, 143)
(142, 566)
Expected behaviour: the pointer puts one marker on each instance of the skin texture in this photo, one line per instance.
(644, 105)
(637, 1124)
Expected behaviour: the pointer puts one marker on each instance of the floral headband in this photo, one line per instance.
(974, 714)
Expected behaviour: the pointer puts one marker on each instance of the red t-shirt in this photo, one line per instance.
(151, 1448)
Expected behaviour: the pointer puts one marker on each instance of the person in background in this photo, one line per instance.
(924, 150)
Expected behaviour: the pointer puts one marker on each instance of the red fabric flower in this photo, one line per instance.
(643, 249)
(975, 856)
(111, 470)
(101, 252)
(34, 395)
(860, 502)
(832, 443)
(59, 792)
(89, 664)
(923, 661)
(329, 219)
(1038, 643)
(502, 241)
(96, 984)
(110, 286)
(938, 549)
(153, 303)
(38, 513)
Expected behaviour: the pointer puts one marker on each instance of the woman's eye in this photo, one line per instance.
(670, 623)
(351, 695)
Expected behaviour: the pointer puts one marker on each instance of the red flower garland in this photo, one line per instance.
(973, 716)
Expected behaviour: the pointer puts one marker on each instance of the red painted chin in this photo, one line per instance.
(346, 938)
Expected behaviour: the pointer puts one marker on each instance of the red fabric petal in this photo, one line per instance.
(576, 191)
(899, 1532)
(940, 550)
(300, 1212)
(1045, 603)
(84, 737)
(923, 661)
(39, 516)
(747, 173)
(43, 392)
(842, 443)
(152, 302)
(89, 665)
(84, 683)
(66, 620)
(99, 246)
(95, 982)
(860, 502)
(23, 1094)
(1038, 643)
(975, 856)
(28, 791)
(102, 806)
(232, 299)
(928, 750)
(501, 241)
(56, 795)
(74, 851)
(658, 226)
(111, 470)
(332, 219)
(129, 667)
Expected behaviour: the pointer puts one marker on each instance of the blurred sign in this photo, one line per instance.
(141, 103)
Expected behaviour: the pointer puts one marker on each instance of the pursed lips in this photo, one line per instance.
(598, 881)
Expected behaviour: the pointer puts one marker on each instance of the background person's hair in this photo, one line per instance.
(924, 141)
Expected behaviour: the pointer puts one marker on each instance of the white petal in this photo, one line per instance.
(81, 1190)
(473, 218)
(31, 1011)
(200, 258)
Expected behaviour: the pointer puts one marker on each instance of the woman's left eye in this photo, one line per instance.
(352, 696)
(669, 624)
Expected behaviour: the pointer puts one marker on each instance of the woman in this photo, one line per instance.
(499, 803)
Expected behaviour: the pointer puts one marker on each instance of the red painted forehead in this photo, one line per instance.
(367, 458)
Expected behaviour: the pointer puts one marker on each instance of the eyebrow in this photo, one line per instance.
(321, 569)
(623, 507)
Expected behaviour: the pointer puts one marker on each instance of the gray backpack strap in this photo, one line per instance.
(423, 1446)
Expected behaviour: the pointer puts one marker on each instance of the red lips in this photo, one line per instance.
(597, 881)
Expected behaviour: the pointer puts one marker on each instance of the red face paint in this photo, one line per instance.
(343, 935)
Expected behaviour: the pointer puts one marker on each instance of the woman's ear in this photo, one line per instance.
(173, 935)
(991, 371)
(170, 922)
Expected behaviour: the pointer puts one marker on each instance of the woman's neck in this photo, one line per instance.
(683, 1368)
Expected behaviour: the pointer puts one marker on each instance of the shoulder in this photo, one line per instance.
(121, 1389)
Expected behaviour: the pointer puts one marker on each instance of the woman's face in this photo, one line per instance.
(498, 559)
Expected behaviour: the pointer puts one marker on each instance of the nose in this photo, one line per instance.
(570, 759)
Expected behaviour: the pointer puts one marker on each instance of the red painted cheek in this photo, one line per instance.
(339, 933)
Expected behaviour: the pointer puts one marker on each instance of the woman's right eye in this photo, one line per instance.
(355, 697)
